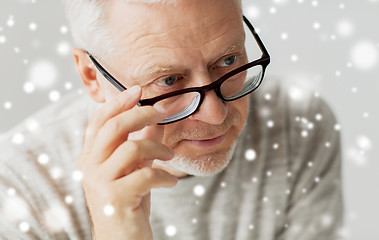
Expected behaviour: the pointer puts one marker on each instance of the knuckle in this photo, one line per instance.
(118, 102)
(133, 147)
(112, 126)
(145, 112)
(90, 131)
(97, 117)
(149, 173)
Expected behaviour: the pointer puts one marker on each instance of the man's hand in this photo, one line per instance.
(117, 172)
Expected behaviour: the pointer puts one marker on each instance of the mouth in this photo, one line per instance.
(207, 142)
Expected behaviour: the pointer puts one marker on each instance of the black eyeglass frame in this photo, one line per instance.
(264, 61)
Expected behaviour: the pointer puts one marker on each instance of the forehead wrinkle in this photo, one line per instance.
(152, 40)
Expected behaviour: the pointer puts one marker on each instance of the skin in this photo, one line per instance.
(188, 39)
(191, 39)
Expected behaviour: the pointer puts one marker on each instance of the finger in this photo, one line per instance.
(153, 132)
(133, 154)
(140, 182)
(116, 130)
(122, 102)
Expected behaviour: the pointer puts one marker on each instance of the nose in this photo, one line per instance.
(212, 110)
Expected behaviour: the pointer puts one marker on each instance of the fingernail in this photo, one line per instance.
(134, 90)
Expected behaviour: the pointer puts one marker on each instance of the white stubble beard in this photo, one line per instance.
(202, 166)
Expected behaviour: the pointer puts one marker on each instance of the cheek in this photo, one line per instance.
(242, 107)
(239, 107)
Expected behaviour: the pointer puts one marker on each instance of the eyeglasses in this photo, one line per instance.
(231, 86)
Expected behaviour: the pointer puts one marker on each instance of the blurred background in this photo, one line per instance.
(330, 46)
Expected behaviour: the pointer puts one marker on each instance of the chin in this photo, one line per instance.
(201, 166)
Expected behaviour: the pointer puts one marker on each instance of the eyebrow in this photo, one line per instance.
(155, 70)
(238, 45)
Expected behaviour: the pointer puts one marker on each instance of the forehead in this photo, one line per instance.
(146, 32)
(133, 21)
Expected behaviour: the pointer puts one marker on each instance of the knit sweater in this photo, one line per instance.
(283, 181)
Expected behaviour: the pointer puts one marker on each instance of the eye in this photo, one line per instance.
(168, 81)
(229, 61)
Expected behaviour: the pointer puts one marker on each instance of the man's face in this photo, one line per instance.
(190, 40)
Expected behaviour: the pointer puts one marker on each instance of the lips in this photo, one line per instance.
(207, 141)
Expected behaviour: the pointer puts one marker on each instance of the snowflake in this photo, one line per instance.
(32, 125)
(11, 192)
(43, 158)
(345, 28)
(69, 199)
(270, 124)
(63, 48)
(304, 133)
(56, 218)
(8, 105)
(77, 175)
(294, 58)
(68, 86)
(199, 190)
(32, 26)
(24, 226)
(326, 220)
(18, 138)
(56, 172)
(108, 210)
(3, 39)
(29, 87)
(253, 12)
(42, 74)
(364, 143)
(250, 154)
(63, 29)
(364, 55)
(54, 95)
(284, 36)
(15, 208)
(171, 230)
(272, 10)
(316, 25)
(10, 21)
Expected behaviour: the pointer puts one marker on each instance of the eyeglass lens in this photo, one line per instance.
(184, 105)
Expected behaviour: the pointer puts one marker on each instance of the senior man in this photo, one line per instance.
(171, 144)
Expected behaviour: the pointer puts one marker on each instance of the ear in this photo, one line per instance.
(87, 73)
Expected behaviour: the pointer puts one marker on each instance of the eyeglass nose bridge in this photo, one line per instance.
(204, 90)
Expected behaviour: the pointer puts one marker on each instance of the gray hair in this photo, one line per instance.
(88, 26)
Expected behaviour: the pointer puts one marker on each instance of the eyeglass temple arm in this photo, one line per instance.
(257, 38)
(106, 74)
